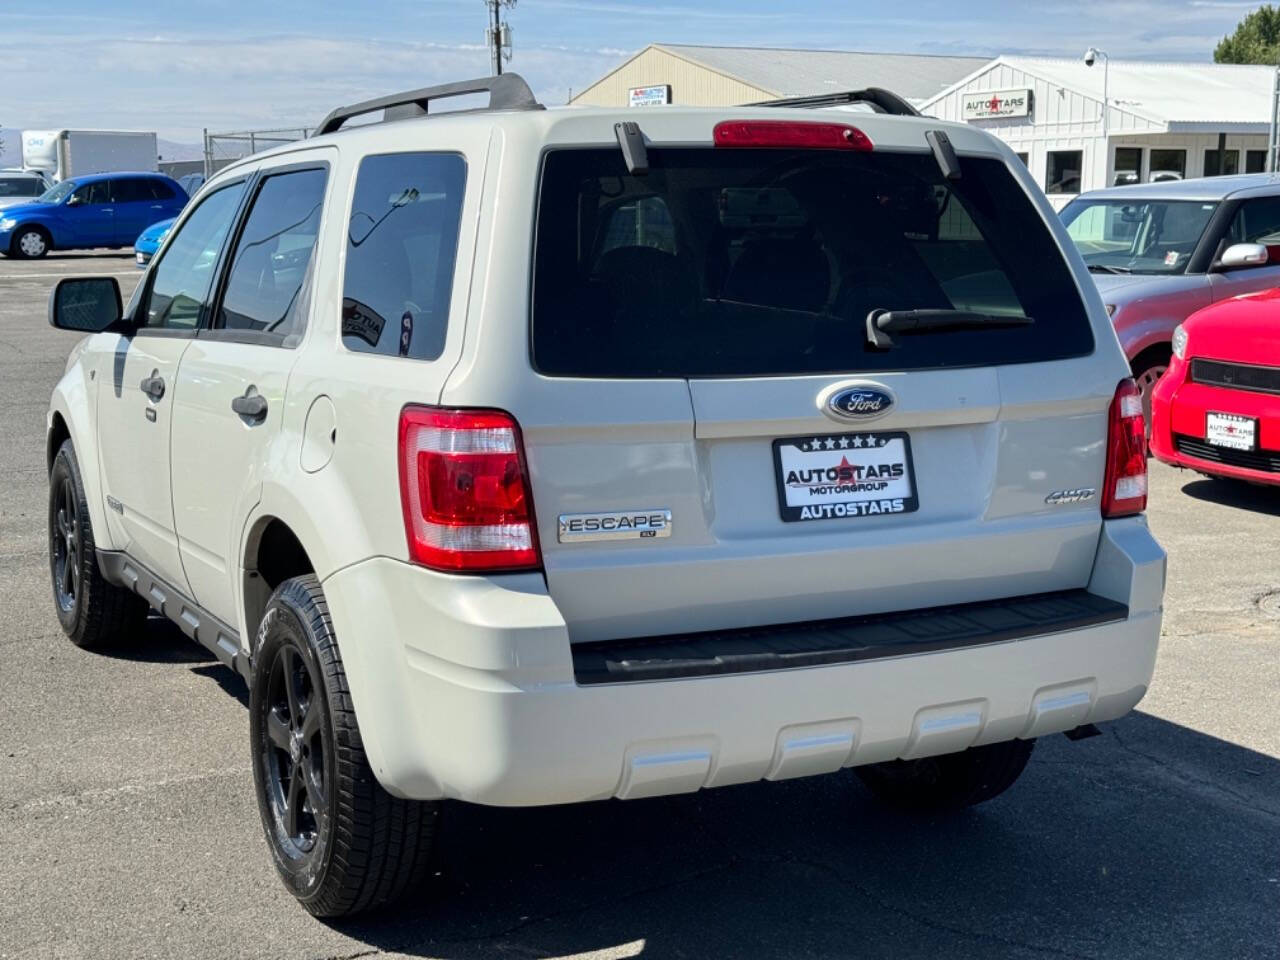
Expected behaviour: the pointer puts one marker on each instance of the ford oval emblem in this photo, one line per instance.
(859, 403)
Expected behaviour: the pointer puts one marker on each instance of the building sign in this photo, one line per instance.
(996, 104)
(655, 96)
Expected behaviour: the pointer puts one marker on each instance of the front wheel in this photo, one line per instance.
(340, 842)
(1148, 367)
(952, 781)
(30, 243)
(92, 612)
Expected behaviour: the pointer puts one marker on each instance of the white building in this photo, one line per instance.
(664, 73)
(1164, 120)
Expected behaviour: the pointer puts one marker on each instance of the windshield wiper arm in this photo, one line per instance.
(882, 323)
(1106, 268)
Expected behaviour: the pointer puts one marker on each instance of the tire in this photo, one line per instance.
(30, 243)
(952, 781)
(340, 842)
(1147, 368)
(93, 612)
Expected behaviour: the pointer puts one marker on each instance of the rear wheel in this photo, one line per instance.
(340, 842)
(30, 243)
(92, 612)
(949, 782)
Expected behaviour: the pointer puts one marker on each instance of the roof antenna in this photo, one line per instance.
(631, 140)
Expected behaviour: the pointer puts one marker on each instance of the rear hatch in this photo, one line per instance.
(716, 441)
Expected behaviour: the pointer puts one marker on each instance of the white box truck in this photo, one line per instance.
(71, 153)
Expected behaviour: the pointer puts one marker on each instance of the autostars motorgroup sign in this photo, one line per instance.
(993, 104)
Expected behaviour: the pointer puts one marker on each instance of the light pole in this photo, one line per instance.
(1091, 57)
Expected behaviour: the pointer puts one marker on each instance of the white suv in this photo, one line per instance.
(524, 456)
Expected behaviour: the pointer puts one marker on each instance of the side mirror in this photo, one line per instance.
(85, 304)
(1240, 255)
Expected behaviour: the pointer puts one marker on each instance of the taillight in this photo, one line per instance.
(1124, 487)
(465, 491)
(794, 134)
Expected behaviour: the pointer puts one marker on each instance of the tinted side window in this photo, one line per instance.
(402, 244)
(181, 278)
(1257, 221)
(129, 191)
(96, 192)
(158, 190)
(272, 257)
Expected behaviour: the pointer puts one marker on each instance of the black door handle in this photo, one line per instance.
(252, 406)
(153, 386)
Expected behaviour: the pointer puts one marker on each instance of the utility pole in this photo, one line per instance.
(497, 33)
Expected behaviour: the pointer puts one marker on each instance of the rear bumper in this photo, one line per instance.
(1178, 414)
(465, 688)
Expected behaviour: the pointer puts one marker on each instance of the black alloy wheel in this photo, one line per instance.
(295, 754)
(66, 544)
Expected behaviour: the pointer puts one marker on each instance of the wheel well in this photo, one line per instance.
(273, 555)
(39, 228)
(58, 434)
(1156, 354)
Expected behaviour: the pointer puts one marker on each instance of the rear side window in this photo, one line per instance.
(130, 191)
(768, 262)
(272, 257)
(402, 244)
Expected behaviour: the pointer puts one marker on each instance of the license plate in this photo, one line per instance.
(829, 476)
(1230, 430)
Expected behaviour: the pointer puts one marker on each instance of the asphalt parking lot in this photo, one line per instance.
(128, 826)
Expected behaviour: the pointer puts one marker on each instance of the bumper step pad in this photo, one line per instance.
(846, 640)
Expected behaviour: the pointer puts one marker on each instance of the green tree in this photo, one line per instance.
(1256, 39)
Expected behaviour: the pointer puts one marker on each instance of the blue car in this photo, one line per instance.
(149, 240)
(102, 210)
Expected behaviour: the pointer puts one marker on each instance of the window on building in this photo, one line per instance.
(1063, 173)
(1168, 165)
(1128, 166)
(1221, 163)
(1025, 158)
(1255, 161)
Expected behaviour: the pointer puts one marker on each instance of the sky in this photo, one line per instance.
(179, 66)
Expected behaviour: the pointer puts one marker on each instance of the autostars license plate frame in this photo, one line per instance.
(845, 475)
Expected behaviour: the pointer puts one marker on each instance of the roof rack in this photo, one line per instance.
(507, 91)
(879, 99)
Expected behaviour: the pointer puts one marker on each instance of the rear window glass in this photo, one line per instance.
(402, 242)
(768, 262)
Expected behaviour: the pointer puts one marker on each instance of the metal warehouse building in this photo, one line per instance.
(721, 76)
(1163, 121)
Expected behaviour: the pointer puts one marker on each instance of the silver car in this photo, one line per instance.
(1161, 251)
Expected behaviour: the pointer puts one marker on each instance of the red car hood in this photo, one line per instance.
(1243, 330)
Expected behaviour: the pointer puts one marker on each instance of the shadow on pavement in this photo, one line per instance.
(159, 642)
(1150, 841)
(1235, 493)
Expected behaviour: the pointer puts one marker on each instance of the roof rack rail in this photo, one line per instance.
(879, 99)
(507, 91)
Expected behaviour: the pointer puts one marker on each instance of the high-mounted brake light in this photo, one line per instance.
(465, 491)
(792, 134)
(1124, 486)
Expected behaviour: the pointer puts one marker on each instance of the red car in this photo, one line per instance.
(1217, 408)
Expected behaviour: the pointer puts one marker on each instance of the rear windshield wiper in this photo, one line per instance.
(1106, 268)
(882, 323)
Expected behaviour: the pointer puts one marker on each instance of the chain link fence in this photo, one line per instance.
(221, 149)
